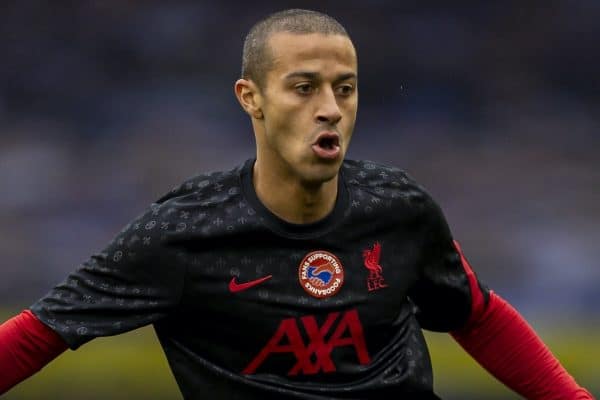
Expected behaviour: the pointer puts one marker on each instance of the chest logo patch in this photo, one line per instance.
(235, 287)
(321, 274)
(371, 257)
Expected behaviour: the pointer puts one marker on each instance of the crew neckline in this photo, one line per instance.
(289, 229)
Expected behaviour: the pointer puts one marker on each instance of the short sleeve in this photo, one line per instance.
(133, 282)
(447, 291)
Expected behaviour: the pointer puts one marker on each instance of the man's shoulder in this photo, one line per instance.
(386, 182)
(373, 174)
(216, 186)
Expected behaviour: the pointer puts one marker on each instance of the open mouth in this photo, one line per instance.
(328, 141)
(327, 145)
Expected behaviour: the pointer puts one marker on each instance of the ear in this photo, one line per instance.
(249, 97)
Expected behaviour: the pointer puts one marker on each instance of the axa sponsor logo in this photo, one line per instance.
(339, 329)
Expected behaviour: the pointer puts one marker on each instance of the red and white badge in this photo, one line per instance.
(321, 274)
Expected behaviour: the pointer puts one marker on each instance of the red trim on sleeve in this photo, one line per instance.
(26, 345)
(505, 344)
(477, 299)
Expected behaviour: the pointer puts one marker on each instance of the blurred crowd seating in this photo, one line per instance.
(493, 106)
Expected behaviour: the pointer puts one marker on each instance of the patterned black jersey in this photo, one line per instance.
(248, 306)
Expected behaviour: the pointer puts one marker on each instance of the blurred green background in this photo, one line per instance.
(133, 366)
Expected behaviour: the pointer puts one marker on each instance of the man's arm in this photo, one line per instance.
(500, 339)
(26, 346)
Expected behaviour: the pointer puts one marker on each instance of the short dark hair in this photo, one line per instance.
(256, 58)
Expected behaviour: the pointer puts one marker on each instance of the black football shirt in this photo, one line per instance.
(248, 306)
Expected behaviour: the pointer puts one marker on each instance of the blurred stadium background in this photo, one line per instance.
(493, 106)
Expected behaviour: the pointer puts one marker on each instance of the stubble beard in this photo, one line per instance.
(314, 180)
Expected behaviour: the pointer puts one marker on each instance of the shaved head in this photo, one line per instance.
(257, 59)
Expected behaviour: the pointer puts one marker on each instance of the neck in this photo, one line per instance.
(292, 200)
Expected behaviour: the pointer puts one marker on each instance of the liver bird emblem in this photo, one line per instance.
(371, 257)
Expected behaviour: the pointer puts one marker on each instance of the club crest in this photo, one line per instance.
(321, 274)
(371, 258)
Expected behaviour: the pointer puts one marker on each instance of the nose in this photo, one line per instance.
(328, 110)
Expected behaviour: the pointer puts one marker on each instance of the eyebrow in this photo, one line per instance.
(316, 76)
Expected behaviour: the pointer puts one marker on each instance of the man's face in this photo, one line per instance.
(309, 104)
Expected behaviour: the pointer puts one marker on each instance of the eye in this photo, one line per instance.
(304, 88)
(344, 90)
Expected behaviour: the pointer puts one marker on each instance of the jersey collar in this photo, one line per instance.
(284, 228)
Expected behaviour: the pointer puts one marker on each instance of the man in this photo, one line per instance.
(298, 274)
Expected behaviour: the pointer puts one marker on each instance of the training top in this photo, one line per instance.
(248, 306)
